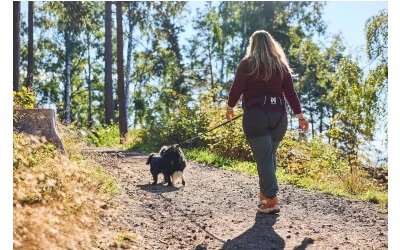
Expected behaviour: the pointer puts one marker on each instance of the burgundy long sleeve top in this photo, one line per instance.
(250, 85)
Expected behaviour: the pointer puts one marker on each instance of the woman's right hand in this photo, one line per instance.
(303, 123)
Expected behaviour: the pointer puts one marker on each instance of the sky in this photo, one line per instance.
(348, 17)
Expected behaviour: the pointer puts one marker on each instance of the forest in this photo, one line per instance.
(130, 68)
(99, 63)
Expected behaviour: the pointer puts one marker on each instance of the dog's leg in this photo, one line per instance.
(183, 180)
(165, 178)
(169, 180)
(176, 176)
(155, 178)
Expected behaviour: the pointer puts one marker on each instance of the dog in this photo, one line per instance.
(169, 161)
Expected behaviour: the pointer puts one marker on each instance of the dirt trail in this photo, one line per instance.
(217, 210)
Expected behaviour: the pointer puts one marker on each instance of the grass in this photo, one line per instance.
(142, 147)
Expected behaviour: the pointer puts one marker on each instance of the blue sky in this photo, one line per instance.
(349, 17)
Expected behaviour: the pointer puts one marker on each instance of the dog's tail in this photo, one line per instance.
(150, 157)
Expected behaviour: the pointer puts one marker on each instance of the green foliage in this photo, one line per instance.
(206, 156)
(108, 185)
(355, 100)
(104, 135)
(24, 98)
(377, 198)
(314, 159)
(111, 187)
(377, 51)
(377, 33)
(75, 14)
(144, 147)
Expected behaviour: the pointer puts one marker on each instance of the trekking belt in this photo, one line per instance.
(267, 100)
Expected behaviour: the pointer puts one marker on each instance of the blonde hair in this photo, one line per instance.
(264, 50)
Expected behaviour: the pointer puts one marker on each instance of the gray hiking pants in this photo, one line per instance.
(264, 130)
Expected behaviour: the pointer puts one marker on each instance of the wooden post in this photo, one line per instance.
(39, 122)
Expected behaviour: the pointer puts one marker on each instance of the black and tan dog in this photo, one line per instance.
(170, 162)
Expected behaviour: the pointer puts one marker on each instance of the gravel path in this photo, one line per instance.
(217, 210)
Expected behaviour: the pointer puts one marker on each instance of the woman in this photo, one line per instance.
(264, 80)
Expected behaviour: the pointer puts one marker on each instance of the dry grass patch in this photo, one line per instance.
(58, 199)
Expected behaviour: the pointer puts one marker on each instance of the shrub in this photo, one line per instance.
(25, 98)
(104, 135)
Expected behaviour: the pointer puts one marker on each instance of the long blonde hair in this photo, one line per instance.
(264, 49)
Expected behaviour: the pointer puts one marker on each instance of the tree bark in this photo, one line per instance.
(123, 128)
(38, 122)
(129, 54)
(29, 76)
(89, 85)
(16, 45)
(108, 61)
(67, 84)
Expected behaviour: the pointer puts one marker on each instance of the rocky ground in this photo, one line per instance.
(217, 209)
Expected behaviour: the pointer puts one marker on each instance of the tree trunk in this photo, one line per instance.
(38, 122)
(29, 76)
(244, 34)
(108, 62)
(211, 68)
(16, 45)
(321, 122)
(310, 110)
(129, 54)
(67, 85)
(221, 74)
(89, 85)
(123, 128)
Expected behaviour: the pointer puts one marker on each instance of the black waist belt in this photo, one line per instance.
(267, 100)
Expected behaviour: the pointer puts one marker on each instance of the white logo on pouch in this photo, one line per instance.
(273, 100)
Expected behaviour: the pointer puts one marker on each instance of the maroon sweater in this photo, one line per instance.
(252, 86)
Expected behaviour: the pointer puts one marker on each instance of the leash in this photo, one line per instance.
(201, 134)
(222, 124)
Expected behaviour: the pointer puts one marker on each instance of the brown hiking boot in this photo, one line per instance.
(268, 205)
(262, 197)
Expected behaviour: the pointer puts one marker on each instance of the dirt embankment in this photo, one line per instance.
(217, 209)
